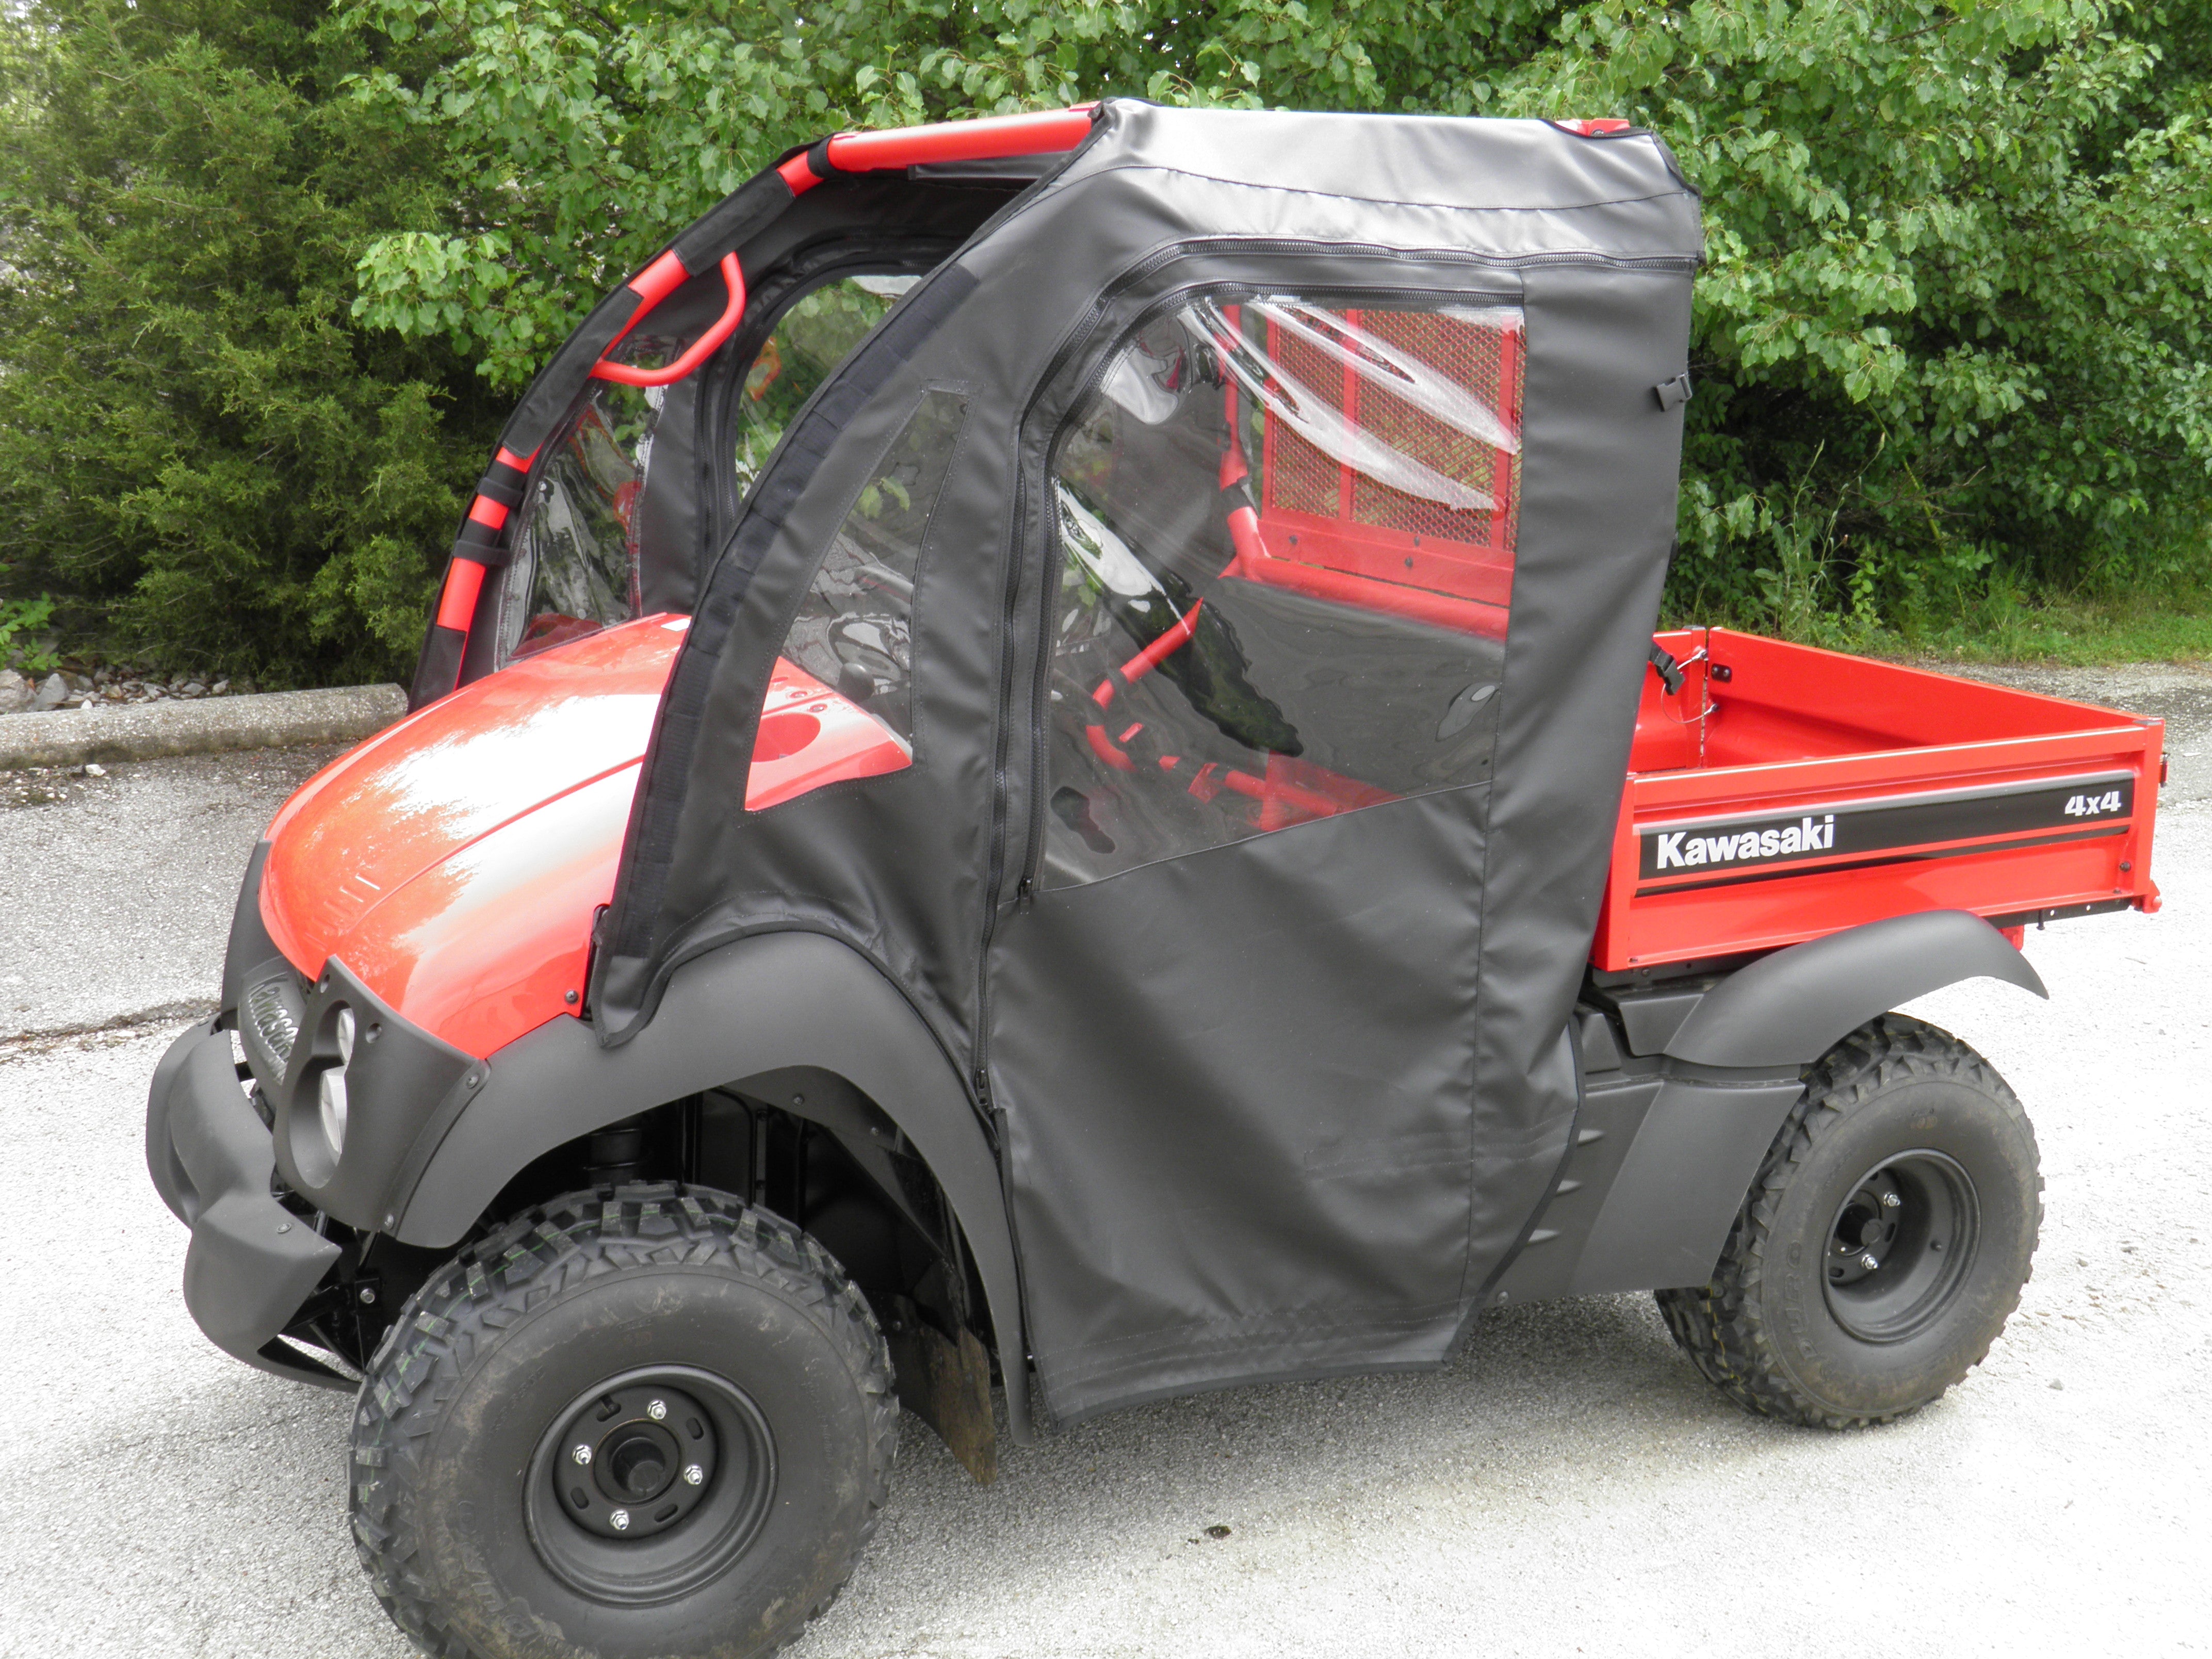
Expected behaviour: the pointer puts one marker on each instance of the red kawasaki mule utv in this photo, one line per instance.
(1042, 763)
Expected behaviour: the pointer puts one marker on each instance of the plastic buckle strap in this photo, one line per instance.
(481, 544)
(503, 484)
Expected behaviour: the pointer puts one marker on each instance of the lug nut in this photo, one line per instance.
(1891, 1200)
(619, 1520)
(657, 1410)
(582, 1455)
(1870, 1261)
(693, 1474)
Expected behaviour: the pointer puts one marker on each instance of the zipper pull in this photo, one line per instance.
(1024, 891)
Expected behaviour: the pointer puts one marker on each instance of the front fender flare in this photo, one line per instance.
(759, 1005)
(1793, 1006)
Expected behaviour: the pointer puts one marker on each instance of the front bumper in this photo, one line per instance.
(252, 1262)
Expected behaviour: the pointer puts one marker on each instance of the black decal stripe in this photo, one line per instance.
(1905, 823)
(2077, 782)
(1780, 870)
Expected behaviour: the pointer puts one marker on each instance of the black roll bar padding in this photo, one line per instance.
(480, 543)
(437, 670)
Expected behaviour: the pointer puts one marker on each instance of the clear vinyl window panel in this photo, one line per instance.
(575, 566)
(576, 549)
(818, 333)
(1286, 531)
(840, 702)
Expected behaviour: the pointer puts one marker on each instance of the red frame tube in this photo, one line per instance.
(1172, 639)
(1036, 133)
(456, 605)
(659, 280)
(985, 138)
(702, 348)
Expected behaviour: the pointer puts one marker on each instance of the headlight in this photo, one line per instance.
(332, 1084)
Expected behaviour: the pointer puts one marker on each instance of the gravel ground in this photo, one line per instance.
(1569, 1486)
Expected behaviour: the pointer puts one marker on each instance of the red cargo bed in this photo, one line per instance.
(1787, 793)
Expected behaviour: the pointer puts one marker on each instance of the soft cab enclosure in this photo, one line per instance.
(1276, 507)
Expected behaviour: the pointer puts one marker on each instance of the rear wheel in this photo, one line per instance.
(1884, 1242)
(653, 1423)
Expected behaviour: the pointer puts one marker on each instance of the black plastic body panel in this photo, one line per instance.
(250, 952)
(1664, 1156)
(1683, 1179)
(1792, 1006)
(1650, 1021)
(1595, 1046)
(1612, 1111)
(252, 1263)
(402, 1082)
(749, 1009)
(1668, 1141)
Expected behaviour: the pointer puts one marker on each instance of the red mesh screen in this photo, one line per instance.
(1483, 358)
(1470, 357)
(1300, 478)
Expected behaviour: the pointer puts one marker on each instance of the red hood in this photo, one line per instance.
(511, 795)
(454, 861)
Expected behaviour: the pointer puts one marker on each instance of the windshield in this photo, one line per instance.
(576, 554)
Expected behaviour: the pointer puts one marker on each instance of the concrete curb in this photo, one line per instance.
(267, 719)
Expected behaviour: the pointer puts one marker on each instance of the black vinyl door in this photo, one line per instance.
(1232, 1020)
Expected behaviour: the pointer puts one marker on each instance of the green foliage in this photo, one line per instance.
(202, 455)
(1952, 332)
(268, 276)
(19, 617)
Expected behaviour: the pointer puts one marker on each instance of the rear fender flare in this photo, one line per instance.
(1793, 1006)
(760, 1005)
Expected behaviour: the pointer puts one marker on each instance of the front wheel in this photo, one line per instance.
(1883, 1243)
(657, 1422)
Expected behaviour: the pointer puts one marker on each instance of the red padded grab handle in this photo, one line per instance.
(701, 349)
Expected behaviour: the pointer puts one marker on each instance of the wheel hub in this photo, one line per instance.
(1865, 1230)
(650, 1485)
(1900, 1245)
(636, 1459)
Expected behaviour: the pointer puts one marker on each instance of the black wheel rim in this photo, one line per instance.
(1900, 1245)
(650, 1483)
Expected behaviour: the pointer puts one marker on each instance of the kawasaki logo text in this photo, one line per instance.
(1680, 850)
